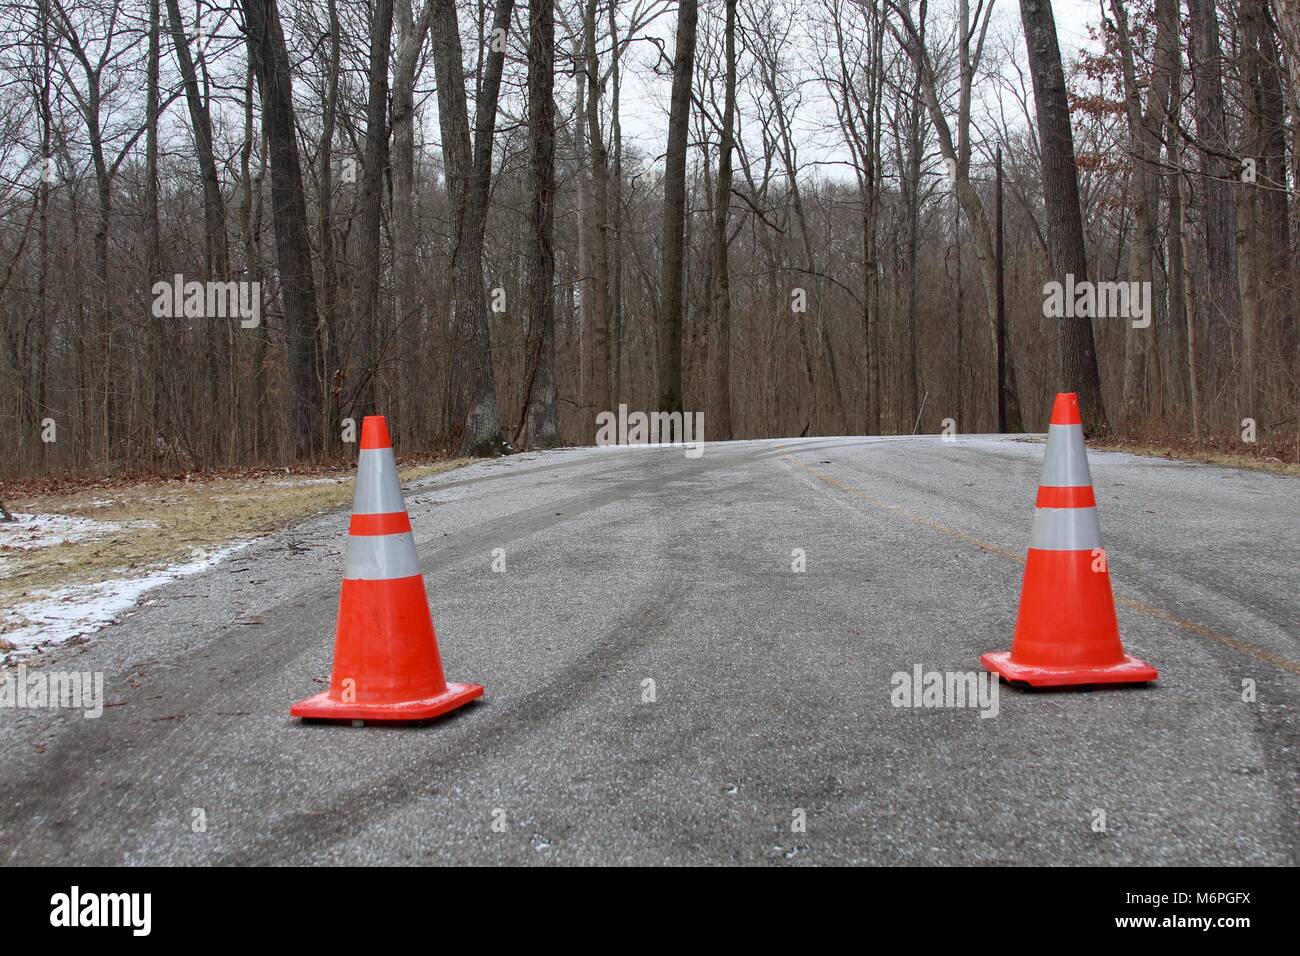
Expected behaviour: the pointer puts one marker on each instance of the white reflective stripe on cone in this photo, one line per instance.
(380, 557)
(1065, 529)
(1065, 463)
(379, 491)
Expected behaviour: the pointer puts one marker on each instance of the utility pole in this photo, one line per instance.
(1001, 302)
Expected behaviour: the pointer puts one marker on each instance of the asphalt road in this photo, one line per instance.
(772, 688)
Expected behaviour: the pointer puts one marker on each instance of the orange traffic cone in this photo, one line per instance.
(1066, 633)
(386, 662)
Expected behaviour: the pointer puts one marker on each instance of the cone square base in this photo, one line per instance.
(1128, 671)
(322, 707)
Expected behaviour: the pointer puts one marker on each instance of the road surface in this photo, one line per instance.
(771, 687)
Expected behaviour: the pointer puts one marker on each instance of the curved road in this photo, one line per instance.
(771, 688)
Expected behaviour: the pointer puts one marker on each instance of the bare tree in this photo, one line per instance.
(98, 51)
(372, 187)
(615, 240)
(807, 150)
(602, 346)
(1078, 355)
(408, 321)
(327, 330)
(955, 142)
(1141, 380)
(153, 232)
(214, 206)
(1222, 311)
(721, 296)
(767, 50)
(673, 304)
(1287, 15)
(472, 397)
(538, 419)
(270, 61)
(856, 84)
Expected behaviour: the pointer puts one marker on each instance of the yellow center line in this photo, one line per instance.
(1155, 613)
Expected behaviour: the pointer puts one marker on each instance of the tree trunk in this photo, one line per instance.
(153, 239)
(538, 421)
(1174, 357)
(216, 255)
(327, 336)
(289, 211)
(956, 151)
(250, 232)
(408, 317)
(911, 187)
(672, 317)
(1144, 145)
(367, 310)
(472, 397)
(601, 396)
(615, 241)
(214, 207)
(1064, 227)
(1222, 299)
(1266, 238)
(721, 270)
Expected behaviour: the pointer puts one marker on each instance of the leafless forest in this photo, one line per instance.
(450, 213)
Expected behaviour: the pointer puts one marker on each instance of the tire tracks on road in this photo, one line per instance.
(1133, 604)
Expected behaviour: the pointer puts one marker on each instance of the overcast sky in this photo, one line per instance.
(644, 110)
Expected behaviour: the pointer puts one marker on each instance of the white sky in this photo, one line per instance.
(644, 111)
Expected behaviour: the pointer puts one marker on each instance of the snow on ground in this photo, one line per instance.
(51, 617)
(300, 482)
(43, 531)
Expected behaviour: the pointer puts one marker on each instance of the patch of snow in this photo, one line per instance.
(299, 482)
(44, 531)
(52, 617)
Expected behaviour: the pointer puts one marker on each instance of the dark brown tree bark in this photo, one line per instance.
(911, 153)
(289, 215)
(408, 316)
(615, 240)
(43, 255)
(1064, 226)
(1286, 13)
(330, 372)
(721, 207)
(601, 396)
(250, 228)
(538, 420)
(367, 311)
(586, 201)
(214, 206)
(1221, 312)
(1141, 381)
(216, 254)
(153, 238)
(1264, 239)
(1174, 343)
(472, 397)
(672, 316)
